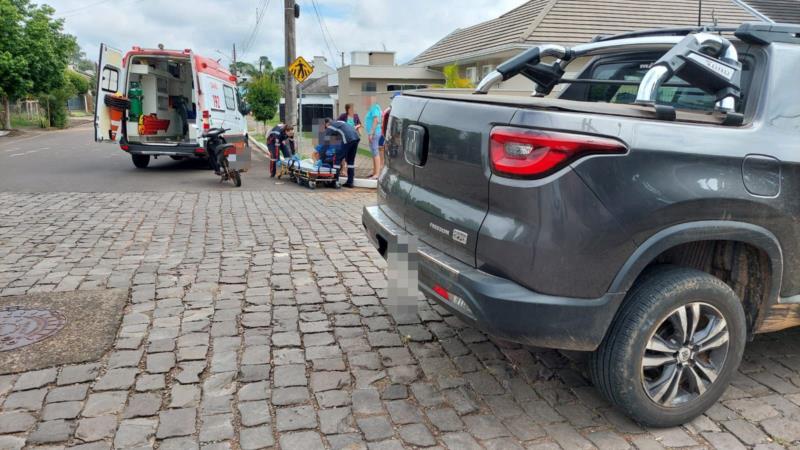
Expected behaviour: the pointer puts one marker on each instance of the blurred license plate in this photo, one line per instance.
(232, 158)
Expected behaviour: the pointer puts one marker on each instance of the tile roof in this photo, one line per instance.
(782, 11)
(576, 21)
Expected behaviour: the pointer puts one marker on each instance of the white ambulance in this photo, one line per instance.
(156, 102)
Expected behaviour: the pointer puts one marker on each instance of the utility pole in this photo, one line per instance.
(234, 59)
(289, 90)
(700, 13)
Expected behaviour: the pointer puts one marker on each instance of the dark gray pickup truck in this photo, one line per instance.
(647, 213)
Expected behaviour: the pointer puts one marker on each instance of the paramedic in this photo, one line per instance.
(339, 132)
(280, 141)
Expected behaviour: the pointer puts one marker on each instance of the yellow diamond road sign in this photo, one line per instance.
(300, 69)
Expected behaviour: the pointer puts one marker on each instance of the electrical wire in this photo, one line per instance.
(322, 28)
(256, 28)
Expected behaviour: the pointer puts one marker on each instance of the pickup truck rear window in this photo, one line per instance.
(675, 92)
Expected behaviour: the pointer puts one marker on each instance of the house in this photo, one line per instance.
(373, 76)
(317, 100)
(780, 11)
(478, 49)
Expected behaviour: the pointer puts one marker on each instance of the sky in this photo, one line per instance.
(211, 27)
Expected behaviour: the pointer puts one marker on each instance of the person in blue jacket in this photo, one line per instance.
(341, 133)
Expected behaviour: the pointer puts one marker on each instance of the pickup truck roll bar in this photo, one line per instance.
(705, 60)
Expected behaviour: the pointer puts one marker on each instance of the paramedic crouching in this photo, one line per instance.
(280, 141)
(340, 132)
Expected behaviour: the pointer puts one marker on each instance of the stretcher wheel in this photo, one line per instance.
(337, 184)
(312, 184)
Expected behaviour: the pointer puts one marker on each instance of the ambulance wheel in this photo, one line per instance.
(141, 161)
(312, 184)
(237, 179)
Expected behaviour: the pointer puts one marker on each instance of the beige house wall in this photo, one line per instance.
(350, 91)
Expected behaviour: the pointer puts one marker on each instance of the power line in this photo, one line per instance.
(256, 28)
(322, 31)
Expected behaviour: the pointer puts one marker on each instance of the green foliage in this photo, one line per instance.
(279, 76)
(34, 51)
(263, 95)
(55, 101)
(80, 84)
(244, 68)
(452, 79)
(81, 62)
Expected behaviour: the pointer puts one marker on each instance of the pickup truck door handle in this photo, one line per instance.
(415, 145)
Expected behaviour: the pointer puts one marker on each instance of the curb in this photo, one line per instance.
(365, 183)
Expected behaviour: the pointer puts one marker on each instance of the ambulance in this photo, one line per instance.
(157, 102)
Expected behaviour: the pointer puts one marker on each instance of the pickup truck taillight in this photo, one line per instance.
(525, 153)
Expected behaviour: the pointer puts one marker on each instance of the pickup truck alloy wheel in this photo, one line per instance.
(684, 355)
(674, 345)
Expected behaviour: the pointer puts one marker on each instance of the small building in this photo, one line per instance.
(478, 49)
(373, 76)
(317, 100)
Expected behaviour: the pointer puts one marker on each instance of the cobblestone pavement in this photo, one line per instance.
(255, 320)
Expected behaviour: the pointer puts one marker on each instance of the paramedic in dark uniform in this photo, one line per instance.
(279, 139)
(341, 132)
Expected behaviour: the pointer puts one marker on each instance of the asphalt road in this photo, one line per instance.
(70, 161)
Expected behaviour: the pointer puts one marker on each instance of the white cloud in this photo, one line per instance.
(405, 26)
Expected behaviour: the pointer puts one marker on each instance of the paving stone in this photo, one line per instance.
(287, 339)
(290, 396)
(116, 379)
(461, 441)
(746, 431)
(35, 379)
(332, 399)
(15, 421)
(125, 358)
(51, 431)
(176, 422)
(63, 410)
(403, 412)
(180, 443)
(290, 375)
(184, 396)
(160, 362)
(336, 420)
(326, 381)
(310, 440)
(485, 426)
(254, 413)
(105, 403)
(78, 374)
(375, 428)
(142, 405)
(725, 441)
(254, 391)
(27, 400)
(673, 437)
(12, 442)
(295, 418)
(366, 401)
(68, 393)
(783, 429)
(394, 392)
(216, 428)
(348, 441)
(417, 434)
(96, 428)
(135, 433)
(524, 428)
(256, 438)
(567, 437)
(607, 440)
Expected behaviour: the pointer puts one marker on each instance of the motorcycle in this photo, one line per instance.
(223, 152)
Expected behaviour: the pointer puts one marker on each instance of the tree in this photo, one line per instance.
(34, 52)
(263, 95)
(79, 83)
(265, 65)
(452, 79)
(244, 68)
(14, 82)
(279, 76)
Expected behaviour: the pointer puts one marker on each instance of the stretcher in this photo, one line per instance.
(307, 172)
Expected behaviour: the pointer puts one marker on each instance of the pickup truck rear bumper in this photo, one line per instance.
(497, 305)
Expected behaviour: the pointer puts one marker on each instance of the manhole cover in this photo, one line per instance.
(25, 326)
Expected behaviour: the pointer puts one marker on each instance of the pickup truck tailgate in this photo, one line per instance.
(450, 195)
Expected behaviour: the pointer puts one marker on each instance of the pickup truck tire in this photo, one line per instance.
(141, 161)
(675, 344)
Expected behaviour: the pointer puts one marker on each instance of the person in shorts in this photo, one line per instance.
(374, 134)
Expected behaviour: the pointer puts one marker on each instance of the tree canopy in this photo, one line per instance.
(34, 51)
(263, 95)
